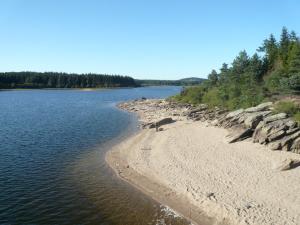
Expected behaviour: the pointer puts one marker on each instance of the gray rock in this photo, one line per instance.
(292, 131)
(253, 119)
(161, 122)
(275, 146)
(287, 164)
(260, 107)
(291, 123)
(263, 130)
(275, 117)
(275, 136)
(234, 113)
(240, 135)
(287, 141)
(296, 146)
(193, 111)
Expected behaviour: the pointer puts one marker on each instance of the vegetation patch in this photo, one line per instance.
(249, 80)
(291, 108)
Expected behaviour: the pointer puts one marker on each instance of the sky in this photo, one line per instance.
(153, 39)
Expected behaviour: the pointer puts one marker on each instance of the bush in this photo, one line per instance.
(273, 82)
(288, 107)
(191, 95)
(296, 117)
(292, 82)
(212, 98)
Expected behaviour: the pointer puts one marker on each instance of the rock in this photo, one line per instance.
(275, 117)
(275, 136)
(200, 108)
(252, 120)
(160, 129)
(275, 146)
(240, 135)
(292, 131)
(215, 122)
(161, 122)
(296, 146)
(234, 113)
(287, 164)
(263, 130)
(291, 123)
(287, 141)
(260, 107)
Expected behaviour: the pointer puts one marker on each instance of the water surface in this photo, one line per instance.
(52, 168)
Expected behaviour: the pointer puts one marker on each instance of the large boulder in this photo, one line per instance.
(234, 113)
(286, 143)
(253, 119)
(275, 136)
(240, 134)
(261, 107)
(264, 130)
(275, 117)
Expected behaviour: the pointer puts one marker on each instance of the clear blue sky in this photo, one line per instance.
(157, 39)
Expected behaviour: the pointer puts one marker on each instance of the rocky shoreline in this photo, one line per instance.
(260, 123)
(203, 163)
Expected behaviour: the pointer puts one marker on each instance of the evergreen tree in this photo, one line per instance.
(284, 46)
(294, 59)
(213, 78)
(270, 48)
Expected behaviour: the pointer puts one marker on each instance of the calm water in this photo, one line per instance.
(52, 168)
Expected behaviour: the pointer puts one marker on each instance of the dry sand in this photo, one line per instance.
(190, 167)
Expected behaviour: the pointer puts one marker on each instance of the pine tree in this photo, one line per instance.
(213, 77)
(284, 46)
(270, 48)
(294, 59)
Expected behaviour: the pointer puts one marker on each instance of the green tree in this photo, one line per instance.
(284, 46)
(213, 78)
(294, 59)
(270, 48)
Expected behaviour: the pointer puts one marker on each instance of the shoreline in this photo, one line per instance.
(191, 175)
(154, 189)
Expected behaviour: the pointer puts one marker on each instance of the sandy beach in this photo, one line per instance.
(191, 167)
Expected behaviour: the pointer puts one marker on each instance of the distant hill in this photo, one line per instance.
(190, 81)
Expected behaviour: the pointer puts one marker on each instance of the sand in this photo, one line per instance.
(190, 167)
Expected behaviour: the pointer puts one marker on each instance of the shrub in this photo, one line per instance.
(296, 117)
(273, 82)
(288, 107)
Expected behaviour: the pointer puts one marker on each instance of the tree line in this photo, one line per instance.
(62, 80)
(182, 82)
(248, 80)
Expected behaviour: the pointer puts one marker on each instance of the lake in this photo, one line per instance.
(52, 167)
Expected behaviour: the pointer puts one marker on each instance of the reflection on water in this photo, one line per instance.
(52, 168)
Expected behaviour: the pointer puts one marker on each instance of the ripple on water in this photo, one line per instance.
(52, 169)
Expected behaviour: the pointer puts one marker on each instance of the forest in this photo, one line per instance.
(10, 80)
(273, 70)
(191, 81)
